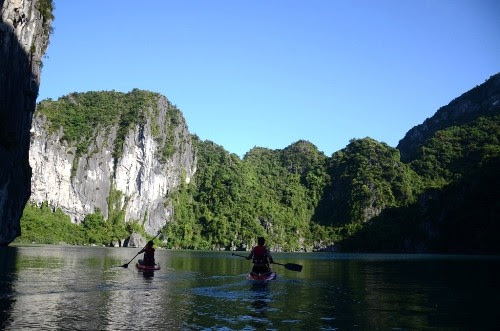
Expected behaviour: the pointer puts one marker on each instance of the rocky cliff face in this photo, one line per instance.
(24, 36)
(482, 100)
(136, 181)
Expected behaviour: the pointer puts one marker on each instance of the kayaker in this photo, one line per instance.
(149, 254)
(261, 257)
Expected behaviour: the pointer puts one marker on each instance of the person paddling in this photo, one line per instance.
(261, 257)
(149, 254)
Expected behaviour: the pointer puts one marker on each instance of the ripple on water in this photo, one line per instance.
(220, 292)
(61, 288)
(232, 303)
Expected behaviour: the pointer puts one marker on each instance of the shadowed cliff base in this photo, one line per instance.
(23, 39)
(460, 218)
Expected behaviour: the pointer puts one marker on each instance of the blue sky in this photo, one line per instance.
(268, 73)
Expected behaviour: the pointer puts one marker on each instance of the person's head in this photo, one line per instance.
(150, 243)
(261, 241)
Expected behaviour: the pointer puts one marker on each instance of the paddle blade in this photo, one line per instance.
(125, 265)
(293, 267)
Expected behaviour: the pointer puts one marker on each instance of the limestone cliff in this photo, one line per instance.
(24, 36)
(128, 161)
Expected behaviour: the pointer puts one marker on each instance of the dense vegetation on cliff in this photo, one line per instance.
(232, 201)
(46, 225)
(443, 196)
(365, 197)
(79, 114)
(457, 208)
(82, 115)
(362, 198)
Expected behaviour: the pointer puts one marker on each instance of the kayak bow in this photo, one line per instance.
(261, 277)
(144, 267)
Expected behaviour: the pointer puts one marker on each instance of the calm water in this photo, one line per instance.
(61, 287)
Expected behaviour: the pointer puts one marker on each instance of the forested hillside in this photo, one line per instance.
(232, 201)
(442, 196)
(458, 203)
(364, 197)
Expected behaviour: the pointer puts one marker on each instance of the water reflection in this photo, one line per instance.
(8, 256)
(260, 304)
(73, 287)
(81, 288)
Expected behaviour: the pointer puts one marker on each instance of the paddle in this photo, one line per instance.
(238, 255)
(126, 264)
(289, 266)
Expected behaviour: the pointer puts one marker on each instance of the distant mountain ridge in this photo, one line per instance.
(480, 101)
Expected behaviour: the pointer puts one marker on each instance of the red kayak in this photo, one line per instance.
(144, 267)
(261, 277)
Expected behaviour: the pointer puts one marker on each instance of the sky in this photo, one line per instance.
(269, 73)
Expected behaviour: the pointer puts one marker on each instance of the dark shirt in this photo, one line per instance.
(149, 255)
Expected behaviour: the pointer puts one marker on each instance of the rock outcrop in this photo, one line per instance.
(130, 175)
(135, 240)
(24, 36)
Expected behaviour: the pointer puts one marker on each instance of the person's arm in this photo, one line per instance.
(269, 256)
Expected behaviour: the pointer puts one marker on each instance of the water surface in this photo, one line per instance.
(67, 287)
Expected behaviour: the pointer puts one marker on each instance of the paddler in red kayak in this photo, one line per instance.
(261, 257)
(149, 254)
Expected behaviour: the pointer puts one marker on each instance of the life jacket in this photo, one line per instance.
(260, 255)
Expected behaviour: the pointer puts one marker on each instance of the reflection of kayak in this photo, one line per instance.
(144, 267)
(262, 277)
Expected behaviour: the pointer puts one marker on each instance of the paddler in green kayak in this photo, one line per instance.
(261, 257)
(149, 254)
